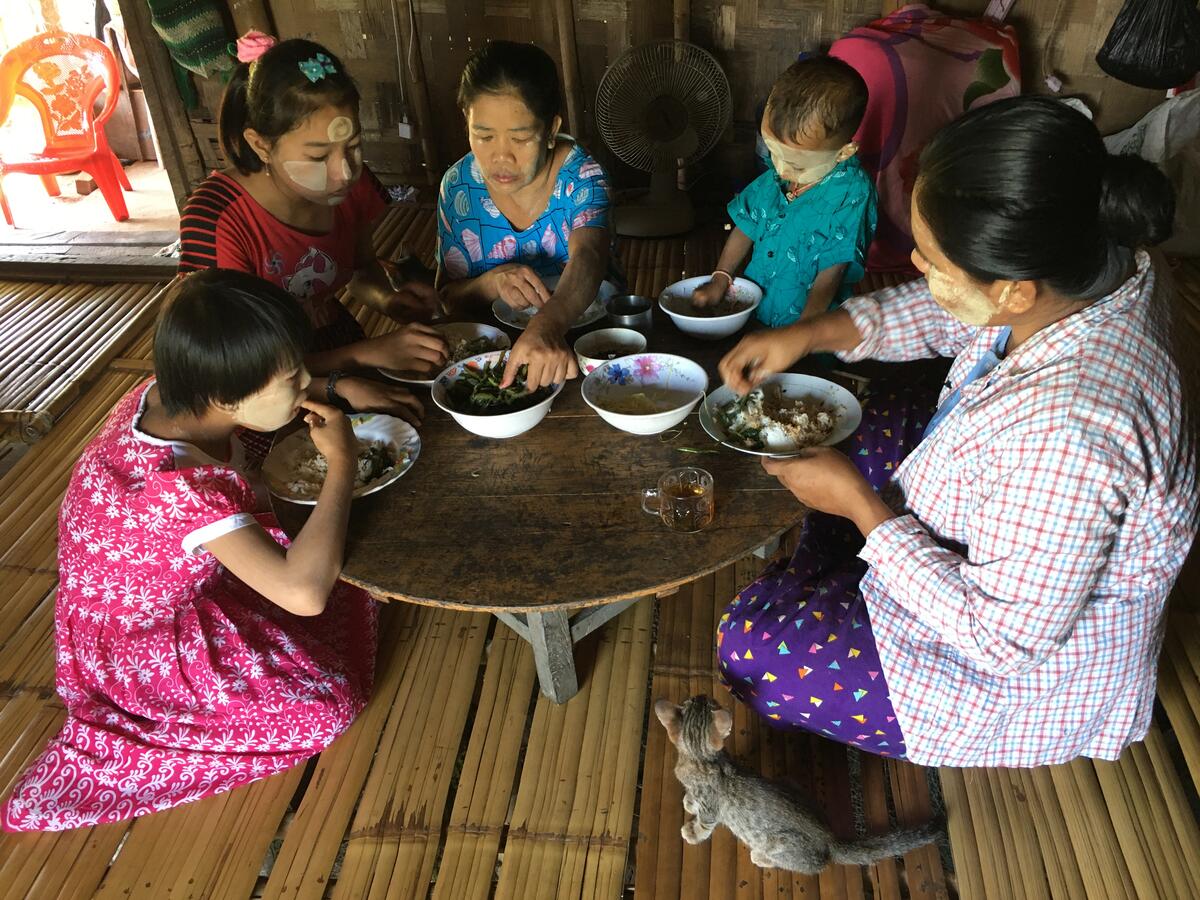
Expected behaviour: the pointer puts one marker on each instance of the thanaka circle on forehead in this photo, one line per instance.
(340, 128)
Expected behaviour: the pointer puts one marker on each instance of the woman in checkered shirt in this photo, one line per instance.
(1006, 607)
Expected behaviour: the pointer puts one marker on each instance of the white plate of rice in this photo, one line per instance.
(388, 447)
(782, 416)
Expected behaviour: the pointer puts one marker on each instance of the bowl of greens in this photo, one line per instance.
(470, 391)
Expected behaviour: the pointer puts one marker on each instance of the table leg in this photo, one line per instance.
(553, 654)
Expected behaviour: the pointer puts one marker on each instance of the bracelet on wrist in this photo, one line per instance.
(331, 394)
(717, 272)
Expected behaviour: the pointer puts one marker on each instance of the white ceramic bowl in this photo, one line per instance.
(499, 425)
(454, 332)
(593, 349)
(676, 302)
(670, 387)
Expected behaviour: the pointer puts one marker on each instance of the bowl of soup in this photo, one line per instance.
(712, 322)
(597, 347)
(646, 393)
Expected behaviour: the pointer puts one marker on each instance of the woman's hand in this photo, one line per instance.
(411, 348)
(365, 395)
(711, 292)
(826, 480)
(331, 433)
(517, 285)
(759, 355)
(543, 348)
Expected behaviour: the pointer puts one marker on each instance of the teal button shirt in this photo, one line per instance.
(831, 223)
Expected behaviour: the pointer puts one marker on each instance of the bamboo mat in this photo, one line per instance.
(54, 338)
(666, 868)
(459, 781)
(570, 827)
(1090, 828)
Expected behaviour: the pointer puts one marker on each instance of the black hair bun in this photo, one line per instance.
(1137, 202)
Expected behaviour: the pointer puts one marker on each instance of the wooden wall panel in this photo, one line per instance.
(754, 40)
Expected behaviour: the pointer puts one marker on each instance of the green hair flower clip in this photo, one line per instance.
(317, 67)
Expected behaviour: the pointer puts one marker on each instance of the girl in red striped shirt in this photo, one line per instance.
(298, 208)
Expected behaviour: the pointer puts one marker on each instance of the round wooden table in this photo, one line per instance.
(546, 530)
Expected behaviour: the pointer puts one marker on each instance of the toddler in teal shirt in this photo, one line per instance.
(810, 217)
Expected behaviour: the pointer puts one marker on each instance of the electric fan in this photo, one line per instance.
(660, 106)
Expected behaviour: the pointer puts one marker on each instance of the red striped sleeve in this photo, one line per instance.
(199, 222)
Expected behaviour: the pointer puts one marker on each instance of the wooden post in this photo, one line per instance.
(418, 90)
(564, 13)
(180, 155)
(683, 20)
(683, 32)
(251, 15)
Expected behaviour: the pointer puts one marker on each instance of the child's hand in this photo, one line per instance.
(366, 395)
(763, 354)
(710, 293)
(331, 433)
(411, 348)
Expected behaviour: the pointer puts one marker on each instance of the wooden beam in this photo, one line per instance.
(683, 20)
(564, 14)
(180, 156)
(251, 15)
(418, 90)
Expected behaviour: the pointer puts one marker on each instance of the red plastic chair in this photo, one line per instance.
(62, 75)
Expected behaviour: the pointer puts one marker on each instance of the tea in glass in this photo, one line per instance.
(684, 499)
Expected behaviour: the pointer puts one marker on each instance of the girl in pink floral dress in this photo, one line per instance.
(197, 649)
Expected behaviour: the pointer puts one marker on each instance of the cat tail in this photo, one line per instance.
(874, 847)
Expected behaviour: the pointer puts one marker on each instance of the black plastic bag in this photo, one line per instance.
(1153, 43)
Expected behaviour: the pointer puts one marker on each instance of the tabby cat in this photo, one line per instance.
(766, 816)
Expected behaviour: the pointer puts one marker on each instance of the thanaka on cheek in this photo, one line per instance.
(965, 302)
(309, 174)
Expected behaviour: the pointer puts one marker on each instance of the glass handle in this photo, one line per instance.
(649, 494)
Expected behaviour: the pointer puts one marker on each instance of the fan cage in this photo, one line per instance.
(645, 74)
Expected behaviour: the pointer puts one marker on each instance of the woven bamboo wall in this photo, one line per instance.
(753, 39)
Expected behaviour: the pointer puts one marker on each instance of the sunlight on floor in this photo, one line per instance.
(151, 205)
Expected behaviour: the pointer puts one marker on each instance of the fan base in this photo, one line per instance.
(648, 216)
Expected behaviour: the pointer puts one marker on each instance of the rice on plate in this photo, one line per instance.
(387, 448)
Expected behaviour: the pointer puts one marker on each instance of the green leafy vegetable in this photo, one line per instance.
(477, 391)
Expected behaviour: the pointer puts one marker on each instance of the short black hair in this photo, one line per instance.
(273, 95)
(817, 89)
(506, 67)
(223, 335)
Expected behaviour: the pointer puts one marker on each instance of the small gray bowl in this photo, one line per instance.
(631, 311)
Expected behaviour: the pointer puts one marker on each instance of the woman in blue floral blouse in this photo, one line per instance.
(526, 203)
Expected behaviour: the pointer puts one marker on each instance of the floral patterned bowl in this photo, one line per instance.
(647, 393)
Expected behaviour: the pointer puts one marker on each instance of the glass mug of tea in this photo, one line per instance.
(683, 499)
